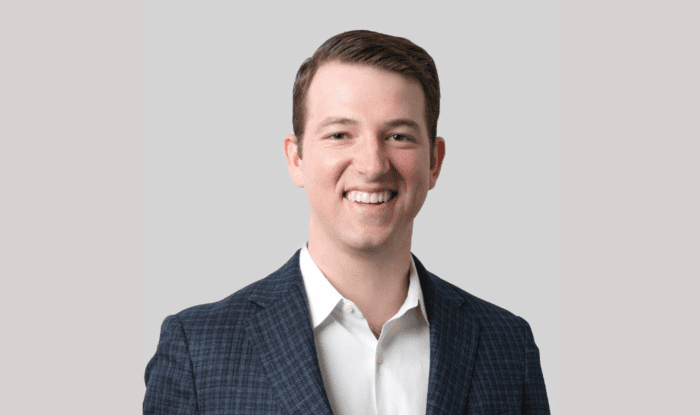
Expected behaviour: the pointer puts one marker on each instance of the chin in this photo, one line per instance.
(371, 243)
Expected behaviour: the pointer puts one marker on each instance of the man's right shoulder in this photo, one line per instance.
(239, 306)
(234, 303)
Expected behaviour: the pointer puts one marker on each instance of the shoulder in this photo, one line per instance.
(479, 311)
(500, 331)
(235, 305)
(237, 308)
(488, 315)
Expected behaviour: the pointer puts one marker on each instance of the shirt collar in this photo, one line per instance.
(323, 297)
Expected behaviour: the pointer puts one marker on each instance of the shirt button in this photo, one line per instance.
(348, 308)
(379, 359)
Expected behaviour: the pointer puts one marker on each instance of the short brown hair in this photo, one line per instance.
(387, 52)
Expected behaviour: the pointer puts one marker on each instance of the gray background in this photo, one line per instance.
(72, 212)
(221, 211)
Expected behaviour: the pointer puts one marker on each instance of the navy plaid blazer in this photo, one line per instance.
(254, 353)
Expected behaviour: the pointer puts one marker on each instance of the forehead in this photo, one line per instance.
(363, 92)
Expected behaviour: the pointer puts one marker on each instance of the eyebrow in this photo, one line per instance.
(336, 120)
(399, 122)
(403, 122)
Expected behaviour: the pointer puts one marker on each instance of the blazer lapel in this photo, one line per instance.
(453, 340)
(281, 333)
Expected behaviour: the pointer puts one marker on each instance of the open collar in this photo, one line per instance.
(281, 333)
(323, 298)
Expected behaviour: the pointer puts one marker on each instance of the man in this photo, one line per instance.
(353, 323)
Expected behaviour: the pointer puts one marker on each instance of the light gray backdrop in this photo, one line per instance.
(221, 211)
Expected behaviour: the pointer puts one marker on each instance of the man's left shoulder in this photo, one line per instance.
(488, 315)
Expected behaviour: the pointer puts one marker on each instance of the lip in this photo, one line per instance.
(369, 190)
(372, 207)
(394, 193)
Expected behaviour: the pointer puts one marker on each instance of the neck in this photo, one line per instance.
(376, 280)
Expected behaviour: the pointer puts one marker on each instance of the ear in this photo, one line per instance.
(436, 162)
(294, 163)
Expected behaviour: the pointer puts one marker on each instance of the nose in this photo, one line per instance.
(371, 158)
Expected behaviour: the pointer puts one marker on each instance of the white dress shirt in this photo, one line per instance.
(363, 374)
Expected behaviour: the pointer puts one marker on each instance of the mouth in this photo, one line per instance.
(366, 198)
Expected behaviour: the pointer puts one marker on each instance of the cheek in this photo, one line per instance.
(321, 174)
(415, 171)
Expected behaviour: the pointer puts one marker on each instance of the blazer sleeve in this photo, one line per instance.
(534, 393)
(170, 384)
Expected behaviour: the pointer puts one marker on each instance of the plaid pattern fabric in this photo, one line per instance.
(254, 353)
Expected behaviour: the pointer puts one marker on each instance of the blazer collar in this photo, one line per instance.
(282, 335)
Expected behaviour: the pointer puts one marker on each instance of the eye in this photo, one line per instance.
(399, 137)
(338, 136)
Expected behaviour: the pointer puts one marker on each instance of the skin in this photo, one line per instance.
(365, 130)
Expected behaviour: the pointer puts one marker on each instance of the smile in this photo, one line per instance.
(370, 198)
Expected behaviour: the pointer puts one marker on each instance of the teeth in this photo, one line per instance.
(373, 198)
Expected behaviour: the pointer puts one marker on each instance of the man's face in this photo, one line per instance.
(365, 139)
